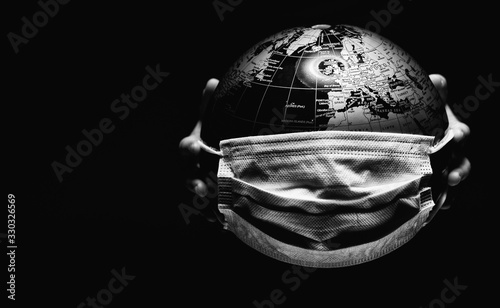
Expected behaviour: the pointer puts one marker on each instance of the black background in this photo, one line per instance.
(120, 206)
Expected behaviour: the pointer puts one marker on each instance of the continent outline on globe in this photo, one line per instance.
(326, 78)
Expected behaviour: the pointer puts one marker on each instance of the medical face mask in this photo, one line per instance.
(328, 198)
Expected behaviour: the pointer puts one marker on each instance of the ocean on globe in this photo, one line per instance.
(324, 78)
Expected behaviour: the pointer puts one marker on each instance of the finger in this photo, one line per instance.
(460, 173)
(461, 130)
(197, 186)
(189, 149)
(192, 175)
(207, 93)
(210, 87)
(189, 146)
(441, 85)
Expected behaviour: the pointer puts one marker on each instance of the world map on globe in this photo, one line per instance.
(325, 78)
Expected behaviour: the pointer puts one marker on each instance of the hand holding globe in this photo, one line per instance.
(335, 146)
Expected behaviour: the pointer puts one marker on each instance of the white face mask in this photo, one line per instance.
(328, 198)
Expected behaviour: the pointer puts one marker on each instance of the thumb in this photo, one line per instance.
(441, 85)
(189, 145)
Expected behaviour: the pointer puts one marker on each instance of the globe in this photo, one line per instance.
(324, 78)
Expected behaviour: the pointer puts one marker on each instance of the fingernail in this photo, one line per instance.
(441, 200)
(200, 190)
(444, 173)
(443, 82)
(458, 135)
(454, 178)
(193, 148)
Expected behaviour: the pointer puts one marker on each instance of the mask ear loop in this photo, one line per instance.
(439, 203)
(209, 149)
(442, 197)
(449, 135)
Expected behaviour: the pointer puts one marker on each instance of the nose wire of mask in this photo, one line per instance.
(325, 199)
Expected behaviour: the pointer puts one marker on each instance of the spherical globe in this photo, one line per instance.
(324, 78)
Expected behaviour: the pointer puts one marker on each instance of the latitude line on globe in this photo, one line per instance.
(282, 87)
(239, 100)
